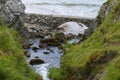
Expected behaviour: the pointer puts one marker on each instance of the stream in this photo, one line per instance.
(51, 60)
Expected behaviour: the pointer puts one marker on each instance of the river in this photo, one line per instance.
(77, 8)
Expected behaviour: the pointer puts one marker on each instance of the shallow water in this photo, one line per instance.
(51, 60)
(79, 8)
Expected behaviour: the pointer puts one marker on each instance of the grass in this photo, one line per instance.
(13, 65)
(99, 54)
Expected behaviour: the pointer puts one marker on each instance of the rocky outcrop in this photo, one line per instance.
(12, 13)
(105, 8)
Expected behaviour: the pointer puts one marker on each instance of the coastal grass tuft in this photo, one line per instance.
(13, 65)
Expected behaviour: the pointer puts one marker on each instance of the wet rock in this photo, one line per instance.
(46, 52)
(50, 42)
(27, 54)
(35, 49)
(37, 57)
(50, 50)
(36, 61)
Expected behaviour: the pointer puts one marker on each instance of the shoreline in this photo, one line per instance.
(64, 16)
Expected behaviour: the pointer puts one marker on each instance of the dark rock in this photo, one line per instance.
(36, 61)
(50, 50)
(46, 52)
(50, 42)
(35, 49)
(27, 54)
(37, 57)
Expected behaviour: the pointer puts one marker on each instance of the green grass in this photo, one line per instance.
(91, 57)
(13, 64)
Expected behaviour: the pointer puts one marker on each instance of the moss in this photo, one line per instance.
(13, 65)
(93, 51)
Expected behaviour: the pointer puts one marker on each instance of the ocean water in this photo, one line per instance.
(75, 8)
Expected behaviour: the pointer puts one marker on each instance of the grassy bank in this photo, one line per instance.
(96, 58)
(13, 65)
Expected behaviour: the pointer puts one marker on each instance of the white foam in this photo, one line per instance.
(81, 8)
(43, 70)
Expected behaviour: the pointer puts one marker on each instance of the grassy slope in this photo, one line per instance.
(12, 62)
(100, 53)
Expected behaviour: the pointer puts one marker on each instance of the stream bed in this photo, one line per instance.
(52, 59)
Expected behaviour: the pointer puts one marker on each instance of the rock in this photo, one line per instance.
(73, 28)
(41, 35)
(26, 45)
(37, 57)
(50, 42)
(12, 13)
(36, 61)
(46, 52)
(27, 54)
(35, 49)
(60, 37)
(104, 10)
(24, 32)
(43, 45)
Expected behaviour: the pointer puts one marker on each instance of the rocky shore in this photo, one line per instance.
(54, 21)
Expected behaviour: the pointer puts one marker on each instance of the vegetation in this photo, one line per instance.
(13, 65)
(98, 57)
(3, 1)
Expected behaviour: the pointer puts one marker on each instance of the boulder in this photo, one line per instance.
(35, 49)
(36, 61)
(73, 28)
(12, 13)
